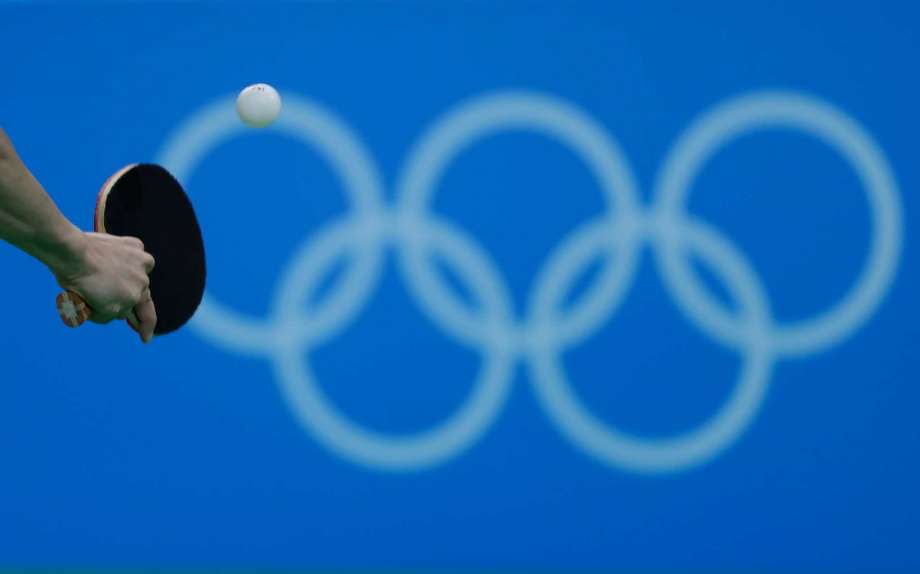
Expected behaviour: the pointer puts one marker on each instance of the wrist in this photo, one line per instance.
(63, 251)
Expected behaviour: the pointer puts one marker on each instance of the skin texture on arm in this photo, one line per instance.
(110, 273)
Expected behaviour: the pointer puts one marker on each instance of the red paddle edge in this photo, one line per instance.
(99, 213)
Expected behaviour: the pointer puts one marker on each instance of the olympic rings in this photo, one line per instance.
(616, 238)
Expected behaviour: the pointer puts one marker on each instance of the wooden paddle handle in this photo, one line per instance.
(72, 308)
(74, 311)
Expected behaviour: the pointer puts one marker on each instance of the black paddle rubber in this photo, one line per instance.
(148, 203)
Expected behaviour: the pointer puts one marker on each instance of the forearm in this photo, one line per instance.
(29, 218)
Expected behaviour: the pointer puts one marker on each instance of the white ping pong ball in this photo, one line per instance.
(258, 105)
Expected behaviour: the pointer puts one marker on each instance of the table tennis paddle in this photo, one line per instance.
(145, 201)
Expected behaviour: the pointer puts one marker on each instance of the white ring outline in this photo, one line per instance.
(745, 114)
(320, 130)
(645, 455)
(318, 415)
(455, 131)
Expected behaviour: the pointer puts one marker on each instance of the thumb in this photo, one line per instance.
(146, 318)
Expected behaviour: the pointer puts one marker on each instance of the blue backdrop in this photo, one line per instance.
(614, 285)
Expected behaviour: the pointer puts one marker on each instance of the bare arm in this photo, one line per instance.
(110, 273)
(28, 217)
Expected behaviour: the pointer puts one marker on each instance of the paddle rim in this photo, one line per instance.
(103, 197)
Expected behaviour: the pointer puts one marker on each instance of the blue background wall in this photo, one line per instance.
(189, 452)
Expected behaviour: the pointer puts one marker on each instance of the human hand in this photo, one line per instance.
(111, 274)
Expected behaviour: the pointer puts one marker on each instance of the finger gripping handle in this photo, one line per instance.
(72, 308)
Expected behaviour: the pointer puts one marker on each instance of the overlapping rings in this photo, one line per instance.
(615, 237)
